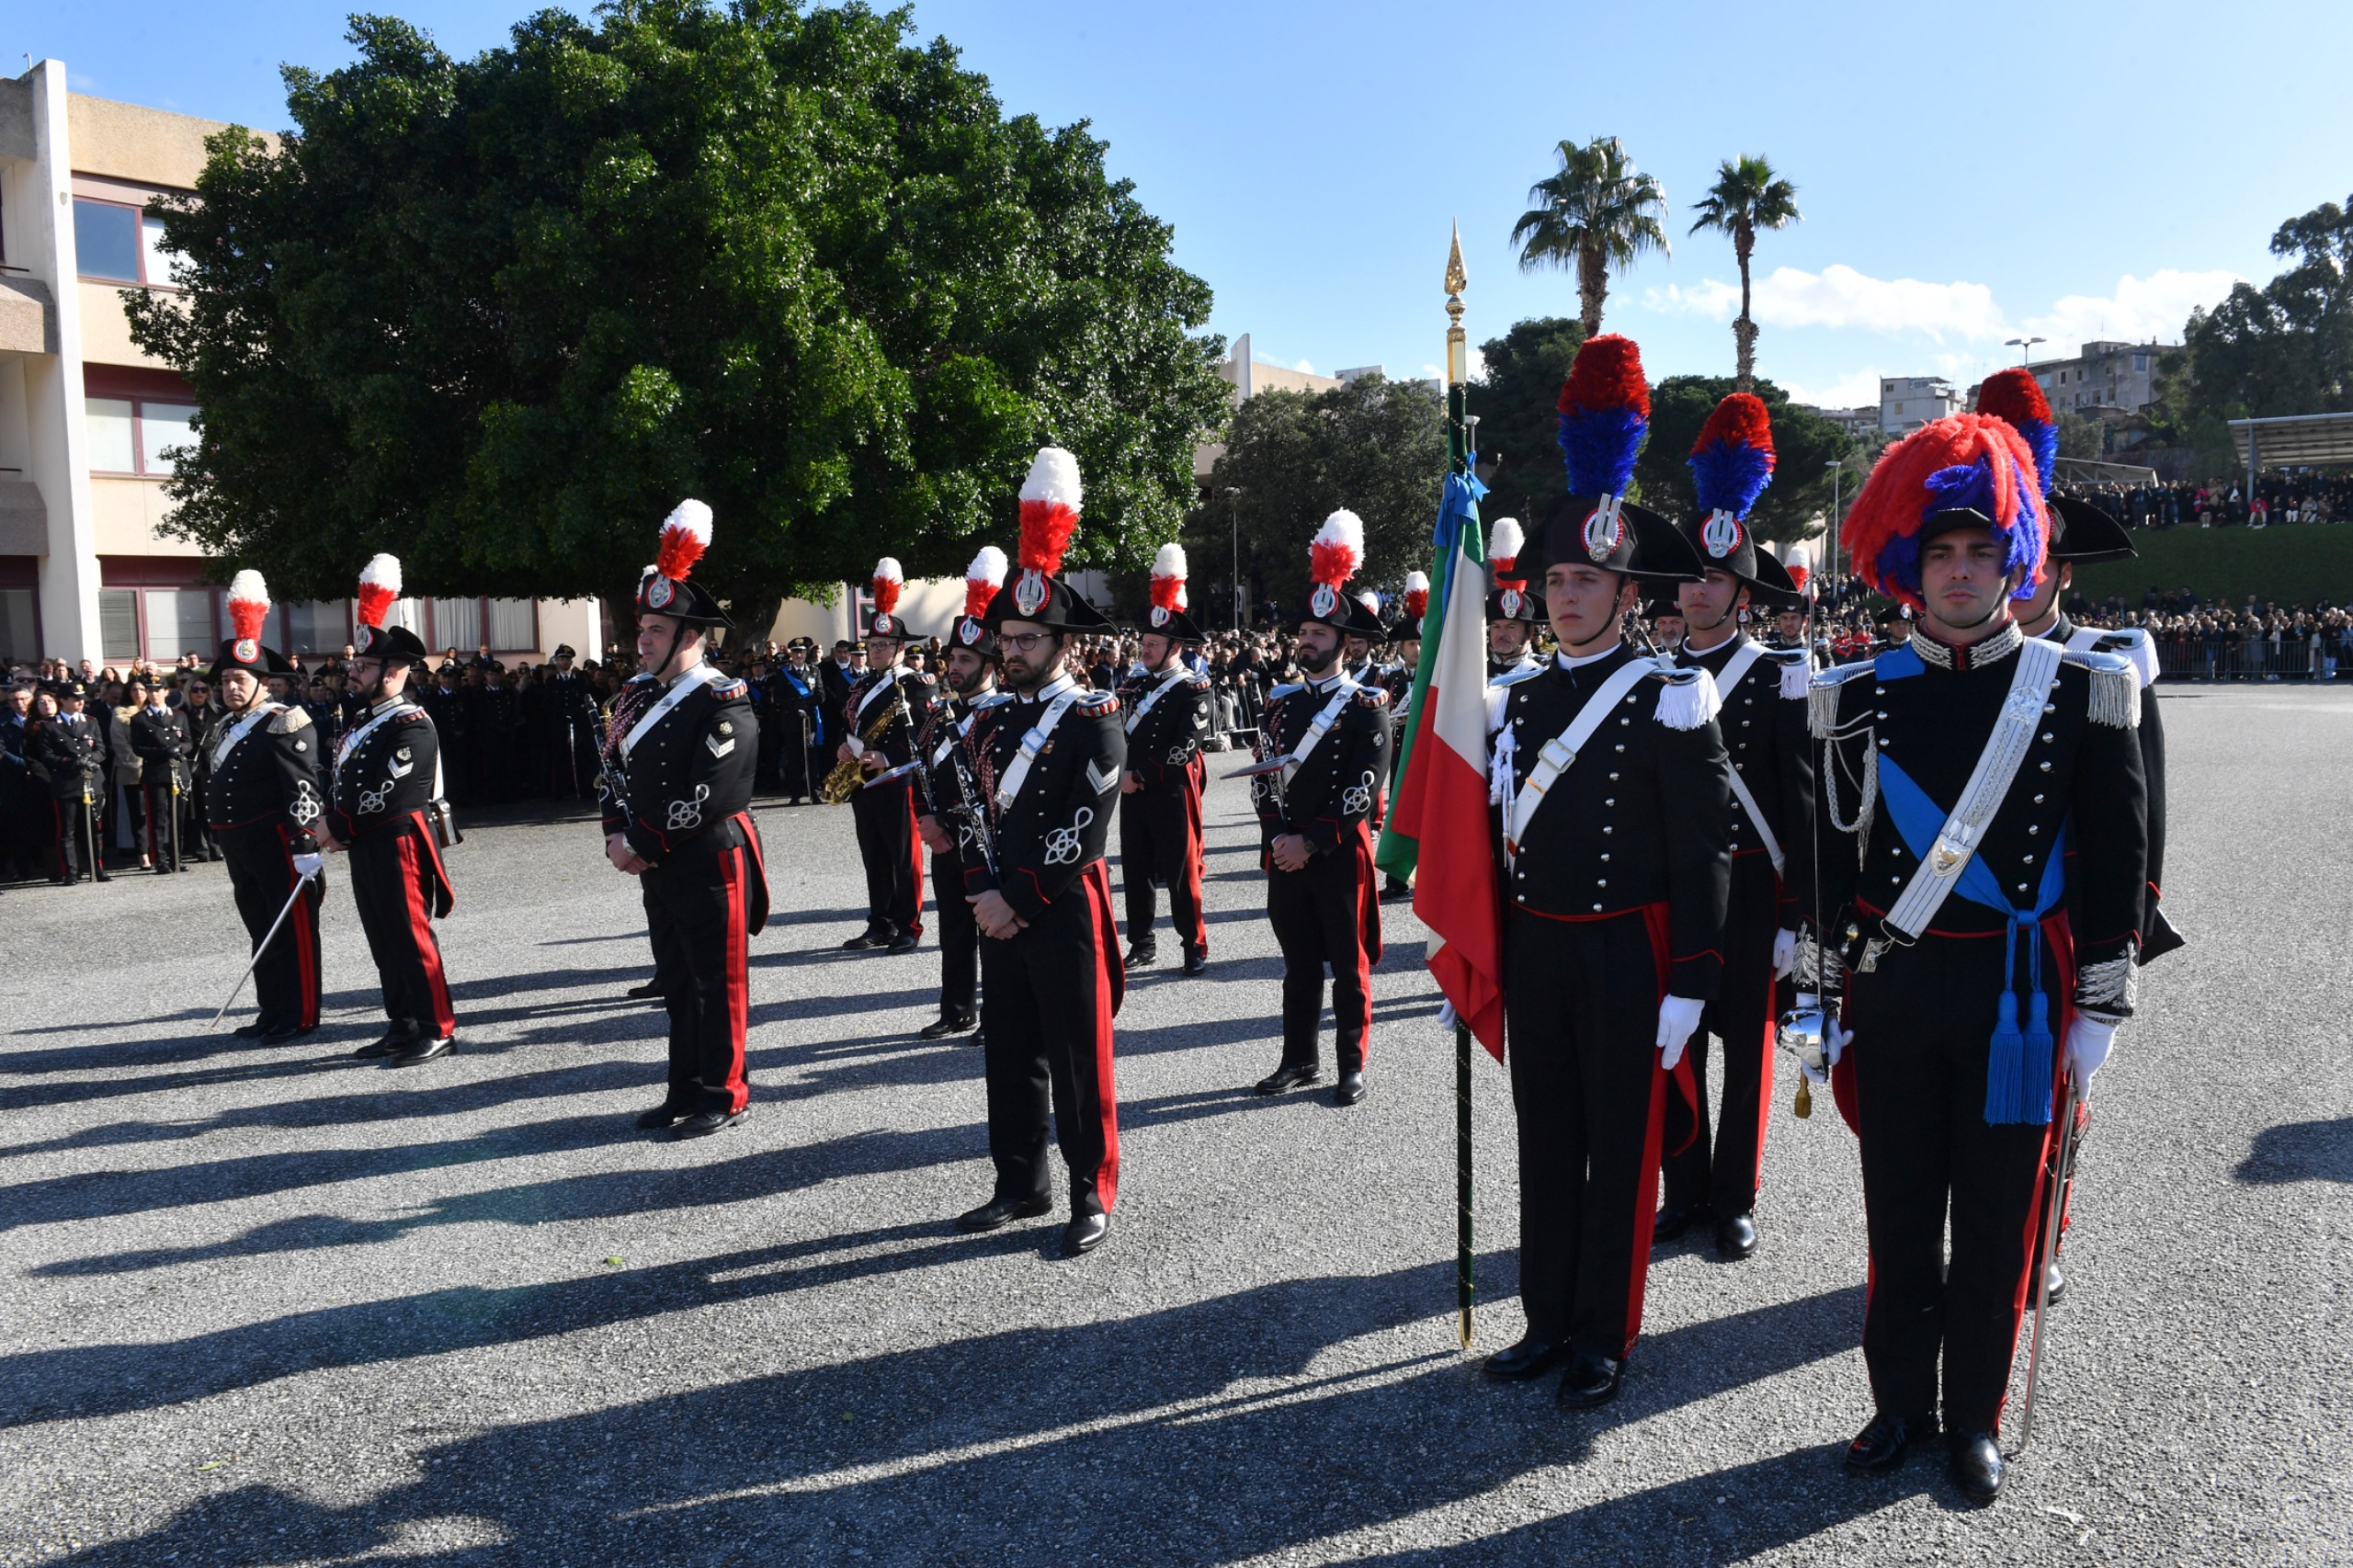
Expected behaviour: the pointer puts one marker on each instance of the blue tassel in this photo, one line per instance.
(2005, 1063)
(2036, 1065)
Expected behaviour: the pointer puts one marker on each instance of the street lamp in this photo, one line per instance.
(2025, 345)
(1472, 421)
(1233, 516)
(1838, 468)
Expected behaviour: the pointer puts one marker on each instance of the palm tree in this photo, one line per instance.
(1598, 213)
(1746, 197)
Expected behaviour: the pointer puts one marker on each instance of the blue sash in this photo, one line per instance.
(2018, 1067)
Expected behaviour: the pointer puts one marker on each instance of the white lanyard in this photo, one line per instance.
(1171, 679)
(1562, 749)
(1018, 773)
(241, 729)
(1324, 722)
(1736, 669)
(351, 742)
(698, 677)
(890, 681)
(963, 726)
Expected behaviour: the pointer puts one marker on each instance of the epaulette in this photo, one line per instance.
(1822, 695)
(1513, 677)
(1687, 696)
(1096, 704)
(2114, 687)
(1372, 697)
(2134, 643)
(728, 690)
(1286, 689)
(990, 700)
(286, 721)
(1797, 667)
(412, 715)
(1199, 682)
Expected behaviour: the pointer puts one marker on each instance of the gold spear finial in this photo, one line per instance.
(1455, 279)
(1458, 358)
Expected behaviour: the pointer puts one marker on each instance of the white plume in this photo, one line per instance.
(988, 567)
(692, 516)
(1170, 561)
(246, 588)
(1506, 541)
(887, 570)
(1417, 582)
(1053, 476)
(382, 572)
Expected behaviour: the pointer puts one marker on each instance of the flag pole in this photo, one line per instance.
(1458, 458)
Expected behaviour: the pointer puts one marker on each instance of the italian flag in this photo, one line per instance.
(1439, 824)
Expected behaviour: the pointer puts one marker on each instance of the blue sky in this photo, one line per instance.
(1968, 175)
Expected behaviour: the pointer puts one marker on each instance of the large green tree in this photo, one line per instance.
(1373, 446)
(2286, 348)
(1517, 399)
(1597, 213)
(1804, 445)
(499, 314)
(1747, 196)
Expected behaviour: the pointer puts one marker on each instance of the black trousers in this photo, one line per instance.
(699, 909)
(1724, 1174)
(885, 818)
(1581, 1002)
(262, 876)
(1160, 838)
(1327, 913)
(960, 942)
(1922, 1022)
(166, 825)
(73, 826)
(1053, 989)
(396, 884)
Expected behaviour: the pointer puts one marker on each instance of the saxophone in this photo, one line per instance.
(847, 777)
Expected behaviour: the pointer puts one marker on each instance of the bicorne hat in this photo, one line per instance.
(983, 579)
(1333, 557)
(1605, 410)
(665, 589)
(1051, 498)
(1168, 614)
(248, 613)
(379, 584)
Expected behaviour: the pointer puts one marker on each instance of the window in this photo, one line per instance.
(19, 638)
(179, 620)
(2140, 361)
(457, 623)
(514, 624)
(130, 434)
(119, 624)
(318, 626)
(105, 239)
(163, 266)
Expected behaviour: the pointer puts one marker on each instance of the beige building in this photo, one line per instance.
(88, 421)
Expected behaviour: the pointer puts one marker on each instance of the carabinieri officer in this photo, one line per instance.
(385, 783)
(680, 822)
(1160, 792)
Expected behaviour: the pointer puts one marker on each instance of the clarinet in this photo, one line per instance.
(616, 781)
(974, 807)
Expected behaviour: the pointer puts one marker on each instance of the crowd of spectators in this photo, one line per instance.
(2285, 495)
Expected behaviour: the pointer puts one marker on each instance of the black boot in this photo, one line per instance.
(1975, 1462)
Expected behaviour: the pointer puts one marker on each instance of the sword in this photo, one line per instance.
(300, 883)
(2042, 1284)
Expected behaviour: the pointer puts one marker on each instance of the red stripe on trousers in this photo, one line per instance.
(2063, 949)
(915, 851)
(1764, 1071)
(1106, 952)
(420, 929)
(1368, 954)
(1655, 923)
(306, 944)
(739, 985)
(1199, 936)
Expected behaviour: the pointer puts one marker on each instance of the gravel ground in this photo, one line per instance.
(280, 1307)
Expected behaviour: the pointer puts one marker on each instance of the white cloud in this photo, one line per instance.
(2141, 309)
(1304, 368)
(1852, 391)
(1478, 364)
(1842, 297)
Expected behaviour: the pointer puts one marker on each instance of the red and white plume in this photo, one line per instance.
(248, 605)
(1168, 577)
(1050, 503)
(1371, 602)
(983, 579)
(1503, 546)
(1417, 594)
(1798, 561)
(686, 534)
(888, 583)
(1337, 548)
(379, 584)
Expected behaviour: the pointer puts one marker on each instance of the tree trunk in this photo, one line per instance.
(1593, 287)
(1743, 330)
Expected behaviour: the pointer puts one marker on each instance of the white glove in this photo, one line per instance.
(1785, 953)
(1835, 1038)
(309, 866)
(2088, 1042)
(1677, 1017)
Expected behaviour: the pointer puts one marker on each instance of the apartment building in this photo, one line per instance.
(2104, 375)
(88, 420)
(1906, 403)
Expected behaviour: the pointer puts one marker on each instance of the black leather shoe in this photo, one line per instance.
(867, 940)
(648, 992)
(183, 865)
(1392, 889)
(1672, 1223)
(1350, 1089)
(999, 1211)
(1195, 959)
(1975, 1462)
(1591, 1380)
(1141, 957)
(906, 941)
(703, 1123)
(1735, 1237)
(423, 1049)
(660, 1117)
(283, 1033)
(105, 876)
(396, 1040)
(1084, 1233)
(1529, 1358)
(941, 1029)
(1283, 1078)
(254, 1030)
(1882, 1445)
(2058, 1280)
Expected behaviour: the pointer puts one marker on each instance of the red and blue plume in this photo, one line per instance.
(2014, 394)
(1604, 412)
(1731, 462)
(1966, 462)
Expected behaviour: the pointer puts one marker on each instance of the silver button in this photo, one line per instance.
(1596, 909)
(2021, 887)
(1621, 746)
(2046, 767)
(1601, 881)
(2033, 828)
(1895, 880)
(1608, 830)
(2038, 799)
(2051, 708)
(1625, 721)
(1883, 741)
(1604, 854)
(2028, 858)
(1610, 799)
(1613, 776)
(1745, 723)
(1882, 712)
(2046, 737)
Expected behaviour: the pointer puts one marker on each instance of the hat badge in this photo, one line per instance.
(248, 650)
(1030, 594)
(1721, 533)
(968, 632)
(1160, 614)
(885, 626)
(1605, 530)
(660, 592)
(366, 638)
(1511, 602)
(1325, 600)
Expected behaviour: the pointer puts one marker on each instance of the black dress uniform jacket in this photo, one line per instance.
(1160, 821)
(954, 736)
(382, 779)
(162, 740)
(687, 811)
(262, 803)
(885, 814)
(1054, 986)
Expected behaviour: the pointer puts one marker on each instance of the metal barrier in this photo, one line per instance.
(2191, 656)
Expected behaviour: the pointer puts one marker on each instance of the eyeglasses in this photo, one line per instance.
(1026, 641)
